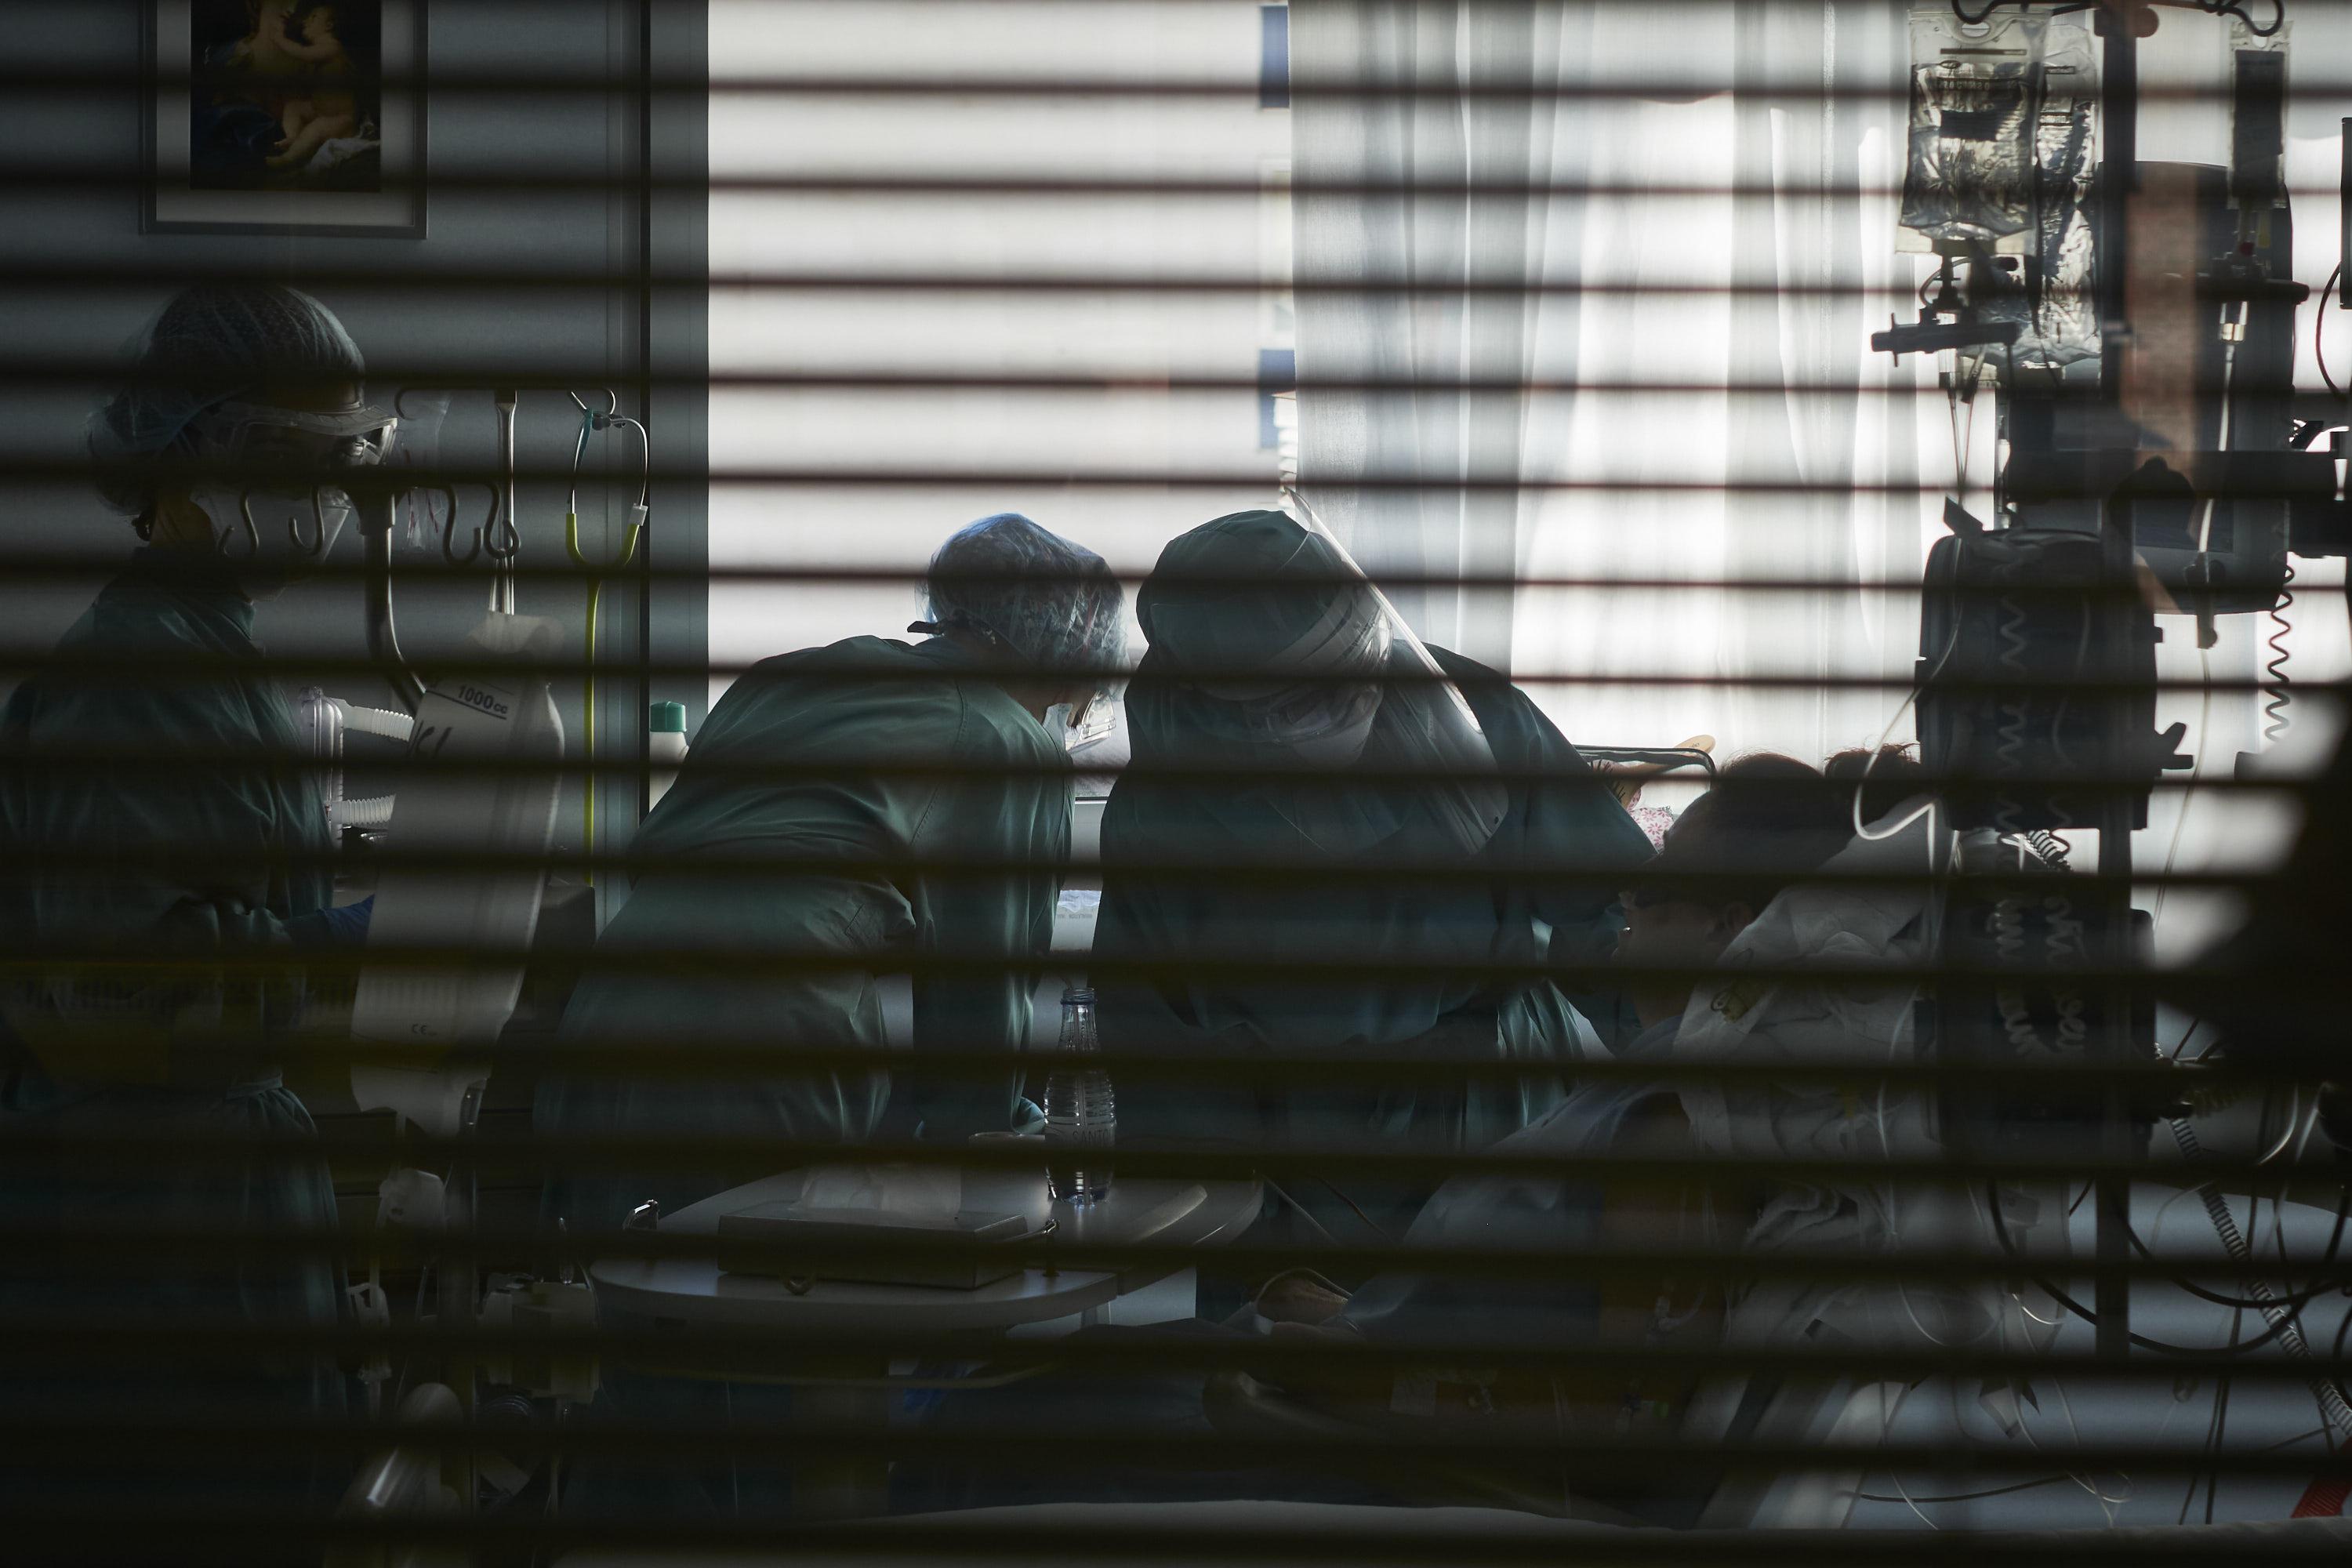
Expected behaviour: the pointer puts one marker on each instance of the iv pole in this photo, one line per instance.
(2121, 24)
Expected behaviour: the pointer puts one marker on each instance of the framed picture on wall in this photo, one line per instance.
(285, 117)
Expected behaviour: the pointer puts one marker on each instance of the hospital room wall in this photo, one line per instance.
(466, 297)
(1114, 456)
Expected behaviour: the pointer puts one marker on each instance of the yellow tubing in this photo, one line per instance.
(588, 680)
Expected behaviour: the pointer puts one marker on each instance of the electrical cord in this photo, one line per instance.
(1353, 1209)
(2278, 18)
(1302, 1211)
(2000, 1230)
(2334, 1409)
(1886, 1430)
(2218, 8)
(2205, 1447)
(2319, 329)
(2276, 678)
(2286, 1133)
(1965, 1497)
(1894, 1216)
(2239, 1303)
(2209, 7)
(1981, 17)
(1862, 783)
(2107, 1505)
(1964, 432)
(2052, 849)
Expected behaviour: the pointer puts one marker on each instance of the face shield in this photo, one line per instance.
(1418, 724)
(282, 496)
(1319, 695)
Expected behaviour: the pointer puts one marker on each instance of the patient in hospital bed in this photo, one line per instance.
(2021, 1427)
(1773, 833)
(1768, 821)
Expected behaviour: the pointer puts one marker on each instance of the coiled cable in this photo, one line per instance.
(2334, 1412)
(2275, 680)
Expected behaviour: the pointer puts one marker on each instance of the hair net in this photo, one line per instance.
(1052, 603)
(213, 343)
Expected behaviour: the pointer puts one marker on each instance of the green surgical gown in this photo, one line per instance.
(847, 813)
(1543, 890)
(177, 851)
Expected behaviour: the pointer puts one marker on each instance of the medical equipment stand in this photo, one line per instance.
(2120, 24)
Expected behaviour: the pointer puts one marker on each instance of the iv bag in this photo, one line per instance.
(421, 512)
(1970, 175)
(2004, 141)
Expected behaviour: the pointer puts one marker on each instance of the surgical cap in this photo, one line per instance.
(1052, 603)
(1236, 594)
(212, 343)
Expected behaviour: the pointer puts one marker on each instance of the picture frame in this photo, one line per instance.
(227, 151)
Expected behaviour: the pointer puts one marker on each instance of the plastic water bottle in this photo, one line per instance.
(665, 746)
(1081, 1114)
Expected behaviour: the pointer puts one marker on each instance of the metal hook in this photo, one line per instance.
(449, 528)
(501, 541)
(252, 530)
(484, 536)
(317, 547)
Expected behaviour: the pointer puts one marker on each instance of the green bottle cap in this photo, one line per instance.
(667, 719)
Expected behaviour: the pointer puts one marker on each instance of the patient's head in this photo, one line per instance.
(1766, 821)
(1886, 777)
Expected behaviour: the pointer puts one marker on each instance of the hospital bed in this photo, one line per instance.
(2033, 1488)
(1337, 1535)
(1827, 1517)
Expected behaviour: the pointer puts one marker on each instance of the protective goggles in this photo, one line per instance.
(285, 499)
(301, 443)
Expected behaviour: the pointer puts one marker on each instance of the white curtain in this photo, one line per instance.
(1647, 245)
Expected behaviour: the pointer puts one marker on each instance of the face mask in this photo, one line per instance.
(1320, 724)
(1340, 745)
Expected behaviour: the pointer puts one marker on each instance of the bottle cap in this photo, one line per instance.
(667, 719)
(1078, 996)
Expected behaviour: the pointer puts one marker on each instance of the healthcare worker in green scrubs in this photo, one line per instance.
(163, 878)
(847, 813)
(1344, 798)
